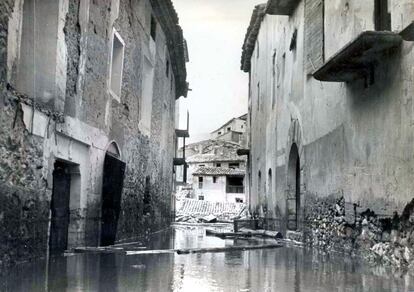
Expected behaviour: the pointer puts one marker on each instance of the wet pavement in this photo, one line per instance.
(281, 269)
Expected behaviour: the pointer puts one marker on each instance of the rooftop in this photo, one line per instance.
(219, 171)
(251, 36)
(177, 47)
(198, 207)
(242, 117)
(211, 157)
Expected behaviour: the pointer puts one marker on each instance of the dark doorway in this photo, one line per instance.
(112, 184)
(58, 240)
(293, 197)
(382, 16)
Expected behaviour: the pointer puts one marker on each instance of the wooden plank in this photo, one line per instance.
(103, 250)
(155, 251)
(227, 249)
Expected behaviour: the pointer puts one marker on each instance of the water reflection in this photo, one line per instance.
(283, 269)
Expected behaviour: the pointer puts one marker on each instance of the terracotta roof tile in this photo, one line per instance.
(219, 171)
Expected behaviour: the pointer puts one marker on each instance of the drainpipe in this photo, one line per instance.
(185, 163)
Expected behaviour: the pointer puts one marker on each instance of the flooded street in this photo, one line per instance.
(282, 269)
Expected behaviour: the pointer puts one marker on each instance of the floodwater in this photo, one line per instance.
(282, 269)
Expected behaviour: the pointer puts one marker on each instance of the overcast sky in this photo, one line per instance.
(214, 30)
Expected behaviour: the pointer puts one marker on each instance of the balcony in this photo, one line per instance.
(281, 7)
(358, 58)
(182, 133)
(408, 33)
(234, 189)
(179, 161)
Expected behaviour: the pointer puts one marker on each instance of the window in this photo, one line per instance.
(293, 40)
(234, 165)
(147, 95)
(228, 129)
(200, 182)
(201, 198)
(239, 200)
(117, 63)
(269, 183)
(242, 126)
(259, 183)
(382, 16)
(214, 179)
(274, 79)
(235, 185)
(218, 164)
(201, 165)
(219, 133)
(153, 27)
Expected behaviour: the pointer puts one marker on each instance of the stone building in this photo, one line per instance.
(88, 93)
(234, 130)
(330, 110)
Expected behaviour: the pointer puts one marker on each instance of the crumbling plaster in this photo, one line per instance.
(80, 129)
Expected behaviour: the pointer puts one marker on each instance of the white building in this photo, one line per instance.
(219, 184)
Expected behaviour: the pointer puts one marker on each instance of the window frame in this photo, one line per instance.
(116, 34)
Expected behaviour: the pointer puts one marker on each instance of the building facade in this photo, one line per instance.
(209, 163)
(330, 111)
(219, 184)
(88, 94)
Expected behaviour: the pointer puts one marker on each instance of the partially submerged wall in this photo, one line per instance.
(353, 139)
(79, 128)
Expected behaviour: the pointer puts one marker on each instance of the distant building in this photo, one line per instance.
(233, 131)
(219, 184)
(216, 164)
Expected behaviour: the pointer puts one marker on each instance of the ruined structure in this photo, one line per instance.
(88, 93)
(330, 115)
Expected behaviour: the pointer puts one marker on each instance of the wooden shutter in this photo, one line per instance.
(314, 35)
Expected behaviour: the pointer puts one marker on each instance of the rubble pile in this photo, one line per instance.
(388, 241)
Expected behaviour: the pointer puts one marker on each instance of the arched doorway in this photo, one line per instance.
(293, 183)
(112, 184)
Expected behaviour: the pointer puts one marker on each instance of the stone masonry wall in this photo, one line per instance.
(26, 161)
(330, 225)
(24, 208)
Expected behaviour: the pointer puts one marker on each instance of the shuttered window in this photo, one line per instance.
(314, 35)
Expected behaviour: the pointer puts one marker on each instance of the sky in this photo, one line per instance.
(214, 30)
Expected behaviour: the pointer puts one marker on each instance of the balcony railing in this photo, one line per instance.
(235, 189)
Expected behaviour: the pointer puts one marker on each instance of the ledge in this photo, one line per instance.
(182, 133)
(281, 7)
(358, 57)
(243, 152)
(179, 161)
(408, 33)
